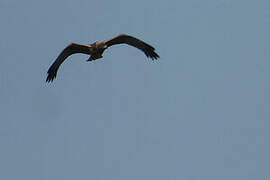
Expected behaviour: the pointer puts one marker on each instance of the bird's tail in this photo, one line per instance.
(94, 57)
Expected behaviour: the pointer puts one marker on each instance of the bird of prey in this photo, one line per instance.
(96, 50)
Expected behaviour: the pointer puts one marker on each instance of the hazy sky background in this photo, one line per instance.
(200, 112)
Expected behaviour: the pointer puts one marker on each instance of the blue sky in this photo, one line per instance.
(200, 112)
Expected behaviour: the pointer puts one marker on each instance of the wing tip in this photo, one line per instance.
(150, 53)
(50, 78)
(154, 56)
(52, 72)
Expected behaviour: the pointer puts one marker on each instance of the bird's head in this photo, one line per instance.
(100, 45)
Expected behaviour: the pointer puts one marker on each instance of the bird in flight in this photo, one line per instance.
(96, 50)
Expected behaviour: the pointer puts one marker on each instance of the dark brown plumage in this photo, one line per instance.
(96, 50)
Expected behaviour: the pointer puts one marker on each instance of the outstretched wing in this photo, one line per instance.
(148, 50)
(69, 50)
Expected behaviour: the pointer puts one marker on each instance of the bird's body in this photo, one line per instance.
(96, 50)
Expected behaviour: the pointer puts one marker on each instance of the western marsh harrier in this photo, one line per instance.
(96, 50)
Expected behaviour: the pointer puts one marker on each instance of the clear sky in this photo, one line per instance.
(200, 112)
